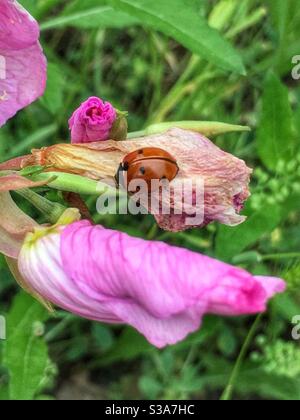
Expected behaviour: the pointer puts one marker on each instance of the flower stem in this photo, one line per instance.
(53, 211)
(75, 183)
(207, 128)
(59, 328)
(282, 256)
(227, 394)
(136, 134)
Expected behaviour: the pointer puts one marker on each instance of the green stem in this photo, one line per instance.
(152, 232)
(207, 128)
(77, 184)
(283, 256)
(253, 256)
(59, 328)
(227, 394)
(52, 211)
(44, 8)
(177, 91)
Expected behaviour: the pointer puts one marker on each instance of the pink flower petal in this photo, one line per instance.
(162, 291)
(18, 30)
(92, 121)
(14, 181)
(22, 63)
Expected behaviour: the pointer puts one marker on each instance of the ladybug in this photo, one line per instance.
(148, 163)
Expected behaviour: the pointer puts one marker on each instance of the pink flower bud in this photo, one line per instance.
(96, 120)
(160, 290)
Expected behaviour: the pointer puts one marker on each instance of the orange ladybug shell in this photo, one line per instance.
(149, 163)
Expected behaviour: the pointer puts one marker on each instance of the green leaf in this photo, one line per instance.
(177, 19)
(252, 380)
(275, 137)
(4, 393)
(53, 98)
(281, 13)
(130, 345)
(286, 306)
(150, 387)
(89, 14)
(29, 5)
(25, 353)
(232, 241)
(103, 336)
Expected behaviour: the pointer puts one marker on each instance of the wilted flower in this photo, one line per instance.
(96, 120)
(160, 290)
(225, 177)
(22, 63)
(14, 181)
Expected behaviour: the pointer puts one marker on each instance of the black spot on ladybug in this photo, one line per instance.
(141, 152)
(142, 170)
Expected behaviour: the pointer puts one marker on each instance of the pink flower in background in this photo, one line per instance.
(22, 63)
(92, 121)
(160, 290)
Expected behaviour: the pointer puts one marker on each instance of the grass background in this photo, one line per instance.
(137, 64)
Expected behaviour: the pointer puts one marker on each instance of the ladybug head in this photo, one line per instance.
(119, 177)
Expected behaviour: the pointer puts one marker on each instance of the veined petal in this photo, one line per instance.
(160, 290)
(18, 30)
(225, 177)
(22, 62)
(14, 225)
(41, 266)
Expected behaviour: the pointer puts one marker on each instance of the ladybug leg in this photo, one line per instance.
(119, 178)
(118, 174)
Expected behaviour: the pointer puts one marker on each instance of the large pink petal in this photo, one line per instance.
(160, 290)
(156, 287)
(165, 279)
(18, 30)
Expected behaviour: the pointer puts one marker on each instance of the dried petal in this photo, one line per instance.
(225, 177)
(14, 226)
(15, 181)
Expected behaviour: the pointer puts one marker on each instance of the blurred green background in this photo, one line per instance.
(160, 61)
